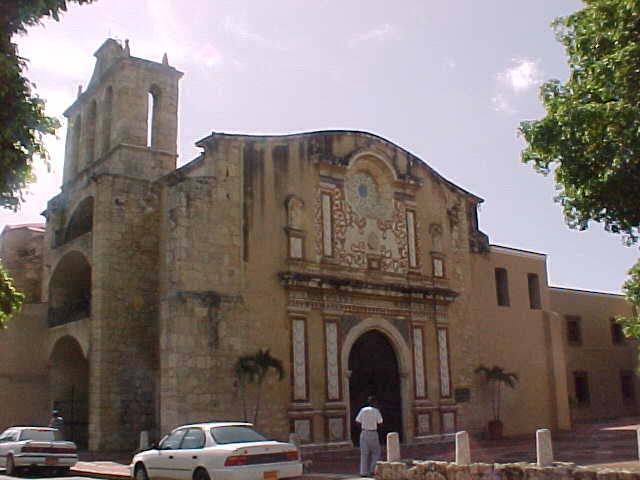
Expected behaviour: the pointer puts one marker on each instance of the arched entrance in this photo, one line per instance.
(69, 388)
(374, 371)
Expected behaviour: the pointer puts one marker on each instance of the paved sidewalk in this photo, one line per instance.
(604, 444)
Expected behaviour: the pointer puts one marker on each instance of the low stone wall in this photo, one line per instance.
(431, 470)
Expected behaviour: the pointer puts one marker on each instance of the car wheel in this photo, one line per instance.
(10, 468)
(62, 472)
(140, 472)
(201, 474)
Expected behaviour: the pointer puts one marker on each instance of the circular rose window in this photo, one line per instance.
(365, 197)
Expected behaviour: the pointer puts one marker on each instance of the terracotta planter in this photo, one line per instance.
(495, 429)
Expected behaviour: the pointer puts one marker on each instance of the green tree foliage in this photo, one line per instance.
(631, 289)
(23, 123)
(253, 369)
(10, 300)
(590, 136)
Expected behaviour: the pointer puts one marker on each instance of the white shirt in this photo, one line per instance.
(369, 418)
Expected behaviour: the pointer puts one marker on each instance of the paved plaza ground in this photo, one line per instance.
(602, 444)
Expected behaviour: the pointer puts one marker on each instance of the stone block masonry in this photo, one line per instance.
(431, 470)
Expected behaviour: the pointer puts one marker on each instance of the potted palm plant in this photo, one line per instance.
(497, 378)
(253, 369)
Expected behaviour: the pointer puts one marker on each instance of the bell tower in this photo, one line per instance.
(126, 121)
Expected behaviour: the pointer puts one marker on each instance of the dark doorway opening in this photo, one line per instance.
(69, 389)
(374, 371)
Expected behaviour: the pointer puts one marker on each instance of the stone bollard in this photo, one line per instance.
(544, 447)
(144, 440)
(463, 452)
(638, 437)
(393, 447)
(295, 439)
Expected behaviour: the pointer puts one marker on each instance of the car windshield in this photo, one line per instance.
(40, 435)
(235, 434)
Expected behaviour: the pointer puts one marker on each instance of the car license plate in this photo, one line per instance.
(51, 461)
(270, 476)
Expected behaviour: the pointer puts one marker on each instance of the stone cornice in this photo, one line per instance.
(413, 291)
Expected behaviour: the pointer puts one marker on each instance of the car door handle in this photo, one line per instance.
(170, 456)
(195, 457)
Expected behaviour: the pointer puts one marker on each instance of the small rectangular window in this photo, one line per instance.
(617, 335)
(581, 384)
(534, 291)
(574, 331)
(626, 385)
(502, 287)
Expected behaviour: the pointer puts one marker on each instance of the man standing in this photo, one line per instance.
(369, 418)
(57, 421)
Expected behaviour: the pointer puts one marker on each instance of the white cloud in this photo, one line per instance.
(500, 103)
(44, 56)
(373, 34)
(172, 37)
(521, 75)
(241, 29)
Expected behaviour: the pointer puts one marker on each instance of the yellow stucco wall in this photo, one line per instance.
(596, 355)
(516, 338)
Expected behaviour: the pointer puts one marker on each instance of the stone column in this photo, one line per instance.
(144, 440)
(544, 447)
(393, 447)
(463, 452)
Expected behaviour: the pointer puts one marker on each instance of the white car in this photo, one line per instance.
(219, 451)
(22, 447)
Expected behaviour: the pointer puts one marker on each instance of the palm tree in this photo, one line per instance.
(497, 378)
(254, 369)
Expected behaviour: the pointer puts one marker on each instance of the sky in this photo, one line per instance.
(447, 80)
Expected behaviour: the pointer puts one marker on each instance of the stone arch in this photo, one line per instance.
(403, 356)
(90, 136)
(81, 220)
(68, 372)
(70, 289)
(154, 96)
(77, 143)
(107, 115)
(373, 156)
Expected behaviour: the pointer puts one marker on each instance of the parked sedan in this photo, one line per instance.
(222, 451)
(22, 447)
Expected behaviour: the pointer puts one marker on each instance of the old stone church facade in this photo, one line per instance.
(349, 258)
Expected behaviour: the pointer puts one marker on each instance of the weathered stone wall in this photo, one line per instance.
(203, 320)
(124, 311)
(431, 470)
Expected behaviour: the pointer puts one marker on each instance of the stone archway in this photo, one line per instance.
(69, 388)
(403, 357)
(70, 290)
(373, 368)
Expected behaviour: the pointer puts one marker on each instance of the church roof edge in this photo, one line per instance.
(209, 138)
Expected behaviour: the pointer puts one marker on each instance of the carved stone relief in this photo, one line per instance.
(363, 220)
(418, 360)
(333, 378)
(443, 356)
(299, 360)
